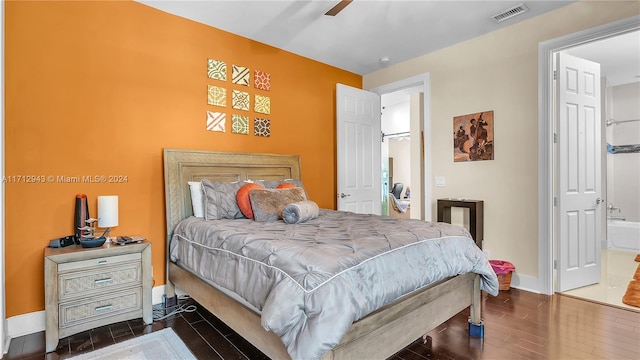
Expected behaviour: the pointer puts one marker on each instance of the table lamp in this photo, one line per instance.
(107, 213)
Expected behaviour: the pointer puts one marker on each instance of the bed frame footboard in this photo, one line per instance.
(376, 336)
(241, 319)
(391, 328)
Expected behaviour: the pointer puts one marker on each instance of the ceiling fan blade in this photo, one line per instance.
(338, 7)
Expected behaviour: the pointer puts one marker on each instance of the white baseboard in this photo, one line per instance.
(25, 324)
(30, 323)
(525, 282)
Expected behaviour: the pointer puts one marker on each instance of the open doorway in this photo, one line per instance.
(398, 152)
(595, 45)
(619, 59)
(405, 120)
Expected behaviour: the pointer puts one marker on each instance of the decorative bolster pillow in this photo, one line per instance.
(300, 212)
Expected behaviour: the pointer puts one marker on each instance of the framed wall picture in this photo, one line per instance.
(473, 137)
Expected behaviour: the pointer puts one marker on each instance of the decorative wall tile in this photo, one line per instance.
(240, 100)
(239, 124)
(216, 96)
(216, 121)
(240, 75)
(262, 104)
(262, 80)
(217, 69)
(261, 127)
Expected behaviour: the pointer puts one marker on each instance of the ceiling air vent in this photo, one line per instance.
(508, 14)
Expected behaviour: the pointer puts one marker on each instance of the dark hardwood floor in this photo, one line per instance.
(518, 325)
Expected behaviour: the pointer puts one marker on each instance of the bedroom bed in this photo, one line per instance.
(373, 333)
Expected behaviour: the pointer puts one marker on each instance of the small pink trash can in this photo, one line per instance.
(503, 270)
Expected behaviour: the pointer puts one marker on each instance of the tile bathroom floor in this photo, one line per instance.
(618, 267)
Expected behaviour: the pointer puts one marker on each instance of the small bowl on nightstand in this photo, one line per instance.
(93, 242)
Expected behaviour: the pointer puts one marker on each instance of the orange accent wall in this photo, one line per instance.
(100, 88)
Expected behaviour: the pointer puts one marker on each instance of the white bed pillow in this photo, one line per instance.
(197, 203)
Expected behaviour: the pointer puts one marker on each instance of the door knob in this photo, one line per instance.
(598, 201)
(343, 195)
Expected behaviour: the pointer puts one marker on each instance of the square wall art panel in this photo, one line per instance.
(216, 121)
(216, 96)
(261, 127)
(262, 104)
(240, 75)
(217, 69)
(240, 100)
(239, 124)
(262, 80)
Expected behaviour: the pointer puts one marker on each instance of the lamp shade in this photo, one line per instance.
(107, 211)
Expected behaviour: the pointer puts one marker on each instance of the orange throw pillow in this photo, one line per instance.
(285, 185)
(242, 198)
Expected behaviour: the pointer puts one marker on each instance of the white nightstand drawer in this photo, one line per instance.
(98, 262)
(99, 280)
(86, 310)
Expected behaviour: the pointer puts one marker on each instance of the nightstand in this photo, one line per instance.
(87, 288)
(476, 215)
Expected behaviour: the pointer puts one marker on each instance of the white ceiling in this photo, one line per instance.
(364, 32)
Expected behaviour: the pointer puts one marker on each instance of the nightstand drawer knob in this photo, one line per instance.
(103, 308)
(103, 281)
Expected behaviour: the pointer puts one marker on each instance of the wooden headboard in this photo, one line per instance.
(182, 166)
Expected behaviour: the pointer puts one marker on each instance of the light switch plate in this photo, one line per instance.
(440, 181)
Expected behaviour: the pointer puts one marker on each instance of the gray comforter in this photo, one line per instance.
(311, 281)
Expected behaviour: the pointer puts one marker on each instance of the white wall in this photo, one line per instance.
(395, 118)
(498, 71)
(623, 177)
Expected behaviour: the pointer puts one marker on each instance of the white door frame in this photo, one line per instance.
(546, 161)
(422, 80)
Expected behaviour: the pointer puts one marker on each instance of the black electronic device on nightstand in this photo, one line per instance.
(62, 242)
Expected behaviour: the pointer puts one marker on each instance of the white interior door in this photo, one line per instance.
(359, 141)
(579, 167)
